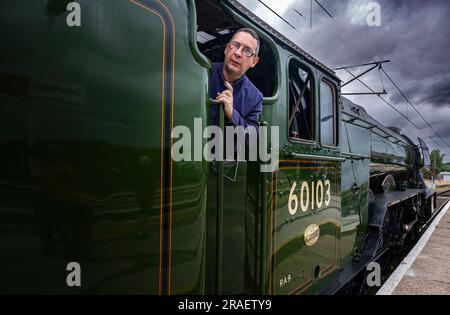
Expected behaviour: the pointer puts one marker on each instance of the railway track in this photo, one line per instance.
(442, 198)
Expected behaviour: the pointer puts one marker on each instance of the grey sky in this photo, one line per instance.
(413, 34)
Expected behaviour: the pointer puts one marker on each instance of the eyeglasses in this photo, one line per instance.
(246, 50)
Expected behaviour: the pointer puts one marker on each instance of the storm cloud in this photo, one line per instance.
(413, 35)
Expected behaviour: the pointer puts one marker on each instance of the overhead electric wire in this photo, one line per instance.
(384, 100)
(415, 109)
(329, 14)
(299, 13)
(438, 145)
(283, 19)
(390, 105)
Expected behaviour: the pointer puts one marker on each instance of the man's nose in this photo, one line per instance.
(239, 51)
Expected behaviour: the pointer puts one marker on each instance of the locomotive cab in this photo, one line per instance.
(292, 214)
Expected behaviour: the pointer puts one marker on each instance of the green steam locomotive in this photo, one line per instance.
(90, 94)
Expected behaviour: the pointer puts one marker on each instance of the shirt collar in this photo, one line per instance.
(236, 83)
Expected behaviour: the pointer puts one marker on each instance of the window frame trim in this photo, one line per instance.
(307, 68)
(243, 22)
(326, 80)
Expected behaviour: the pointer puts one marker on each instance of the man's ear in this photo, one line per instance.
(255, 62)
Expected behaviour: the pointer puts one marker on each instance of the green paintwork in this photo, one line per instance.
(81, 170)
(82, 158)
(294, 263)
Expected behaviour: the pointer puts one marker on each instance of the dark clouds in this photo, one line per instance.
(413, 34)
(439, 93)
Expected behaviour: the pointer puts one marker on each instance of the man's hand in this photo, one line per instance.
(226, 98)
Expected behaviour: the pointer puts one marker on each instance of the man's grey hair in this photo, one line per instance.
(253, 34)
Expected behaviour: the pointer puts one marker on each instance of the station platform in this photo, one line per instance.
(426, 270)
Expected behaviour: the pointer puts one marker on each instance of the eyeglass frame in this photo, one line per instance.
(239, 47)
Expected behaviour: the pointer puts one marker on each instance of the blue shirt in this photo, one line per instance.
(247, 100)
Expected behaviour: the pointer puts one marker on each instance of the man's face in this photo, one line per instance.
(236, 62)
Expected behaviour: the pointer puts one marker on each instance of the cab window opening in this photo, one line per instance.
(301, 103)
(215, 29)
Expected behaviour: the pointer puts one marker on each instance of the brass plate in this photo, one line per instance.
(312, 235)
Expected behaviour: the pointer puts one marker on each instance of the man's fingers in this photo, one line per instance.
(226, 93)
(220, 99)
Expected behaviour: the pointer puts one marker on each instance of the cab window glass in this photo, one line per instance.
(301, 109)
(327, 114)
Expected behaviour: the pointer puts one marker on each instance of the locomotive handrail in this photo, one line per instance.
(317, 157)
(220, 195)
(355, 156)
(371, 126)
